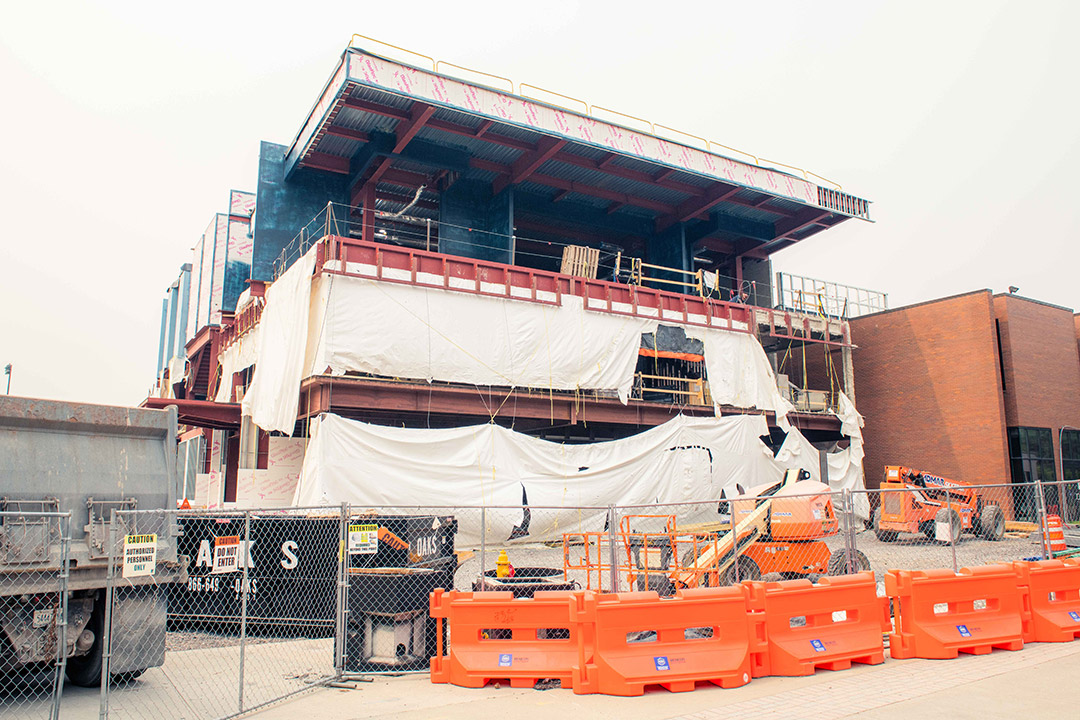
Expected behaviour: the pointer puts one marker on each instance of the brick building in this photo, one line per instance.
(977, 387)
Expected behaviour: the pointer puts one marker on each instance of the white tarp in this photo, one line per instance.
(351, 324)
(845, 466)
(241, 355)
(683, 460)
(274, 396)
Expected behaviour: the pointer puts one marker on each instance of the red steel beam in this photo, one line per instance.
(353, 395)
(577, 187)
(327, 162)
(687, 209)
(345, 132)
(406, 130)
(528, 163)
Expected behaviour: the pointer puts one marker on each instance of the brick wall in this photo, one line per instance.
(1042, 367)
(927, 382)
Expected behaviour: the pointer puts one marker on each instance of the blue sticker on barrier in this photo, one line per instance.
(661, 663)
(1075, 616)
(818, 645)
(506, 660)
(964, 632)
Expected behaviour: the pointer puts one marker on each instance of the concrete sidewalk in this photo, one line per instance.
(1041, 680)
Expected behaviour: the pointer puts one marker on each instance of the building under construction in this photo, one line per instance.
(433, 252)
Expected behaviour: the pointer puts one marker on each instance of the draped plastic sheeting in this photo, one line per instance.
(350, 324)
(845, 466)
(274, 396)
(241, 355)
(683, 460)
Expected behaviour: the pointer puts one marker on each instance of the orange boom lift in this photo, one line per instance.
(913, 501)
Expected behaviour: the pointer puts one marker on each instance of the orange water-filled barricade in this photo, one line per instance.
(800, 627)
(1053, 598)
(940, 614)
(497, 637)
(699, 635)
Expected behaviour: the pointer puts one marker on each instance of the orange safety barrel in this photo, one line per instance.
(940, 614)
(699, 635)
(1055, 535)
(1053, 597)
(800, 627)
(497, 637)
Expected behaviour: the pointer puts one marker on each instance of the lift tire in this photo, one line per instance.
(838, 562)
(772, 577)
(928, 529)
(882, 535)
(992, 523)
(748, 570)
(956, 526)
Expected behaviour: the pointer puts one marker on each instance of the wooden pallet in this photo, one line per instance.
(580, 261)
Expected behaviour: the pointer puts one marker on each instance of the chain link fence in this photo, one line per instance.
(217, 614)
(34, 550)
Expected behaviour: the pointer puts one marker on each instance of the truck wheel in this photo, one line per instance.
(85, 670)
(956, 526)
(838, 562)
(748, 570)
(992, 523)
(928, 529)
(882, 535)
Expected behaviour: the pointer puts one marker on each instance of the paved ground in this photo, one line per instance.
(1041, 681)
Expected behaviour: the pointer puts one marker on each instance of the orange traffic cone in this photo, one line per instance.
(1055, 535)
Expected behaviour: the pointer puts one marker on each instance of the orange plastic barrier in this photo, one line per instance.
(495, 637)
(940, 614)
(800, 627)
(1053, 597)
(699, 635)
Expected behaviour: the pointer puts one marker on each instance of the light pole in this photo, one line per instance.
(7, 371)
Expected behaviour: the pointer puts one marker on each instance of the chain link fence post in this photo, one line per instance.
(61, 621)
(849, 531)
(341, 615)
(483, 548)
(955, 530)
(1040, 508)
(613, 570)
(106, 647)
(245, 559)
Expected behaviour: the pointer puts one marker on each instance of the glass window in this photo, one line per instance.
(1031, 453)
(1070, 470)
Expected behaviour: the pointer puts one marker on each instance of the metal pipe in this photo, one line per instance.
(613, 570)
(106, 640)
(483, 547)
(243, 607)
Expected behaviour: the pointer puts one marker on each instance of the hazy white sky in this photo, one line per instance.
(125, 125)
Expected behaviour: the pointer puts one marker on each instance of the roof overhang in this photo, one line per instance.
(392, 126)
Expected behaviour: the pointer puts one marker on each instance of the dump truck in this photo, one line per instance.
(86, 460)
(913, 501)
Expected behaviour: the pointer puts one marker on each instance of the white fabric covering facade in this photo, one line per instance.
(353, 324)
(683, 460)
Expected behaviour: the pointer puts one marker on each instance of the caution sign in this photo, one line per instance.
(226, 554)
(363, 539)
(140, 555)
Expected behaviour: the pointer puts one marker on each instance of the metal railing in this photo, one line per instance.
(825, 298)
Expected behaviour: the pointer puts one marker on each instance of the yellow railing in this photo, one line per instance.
(590, 110)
